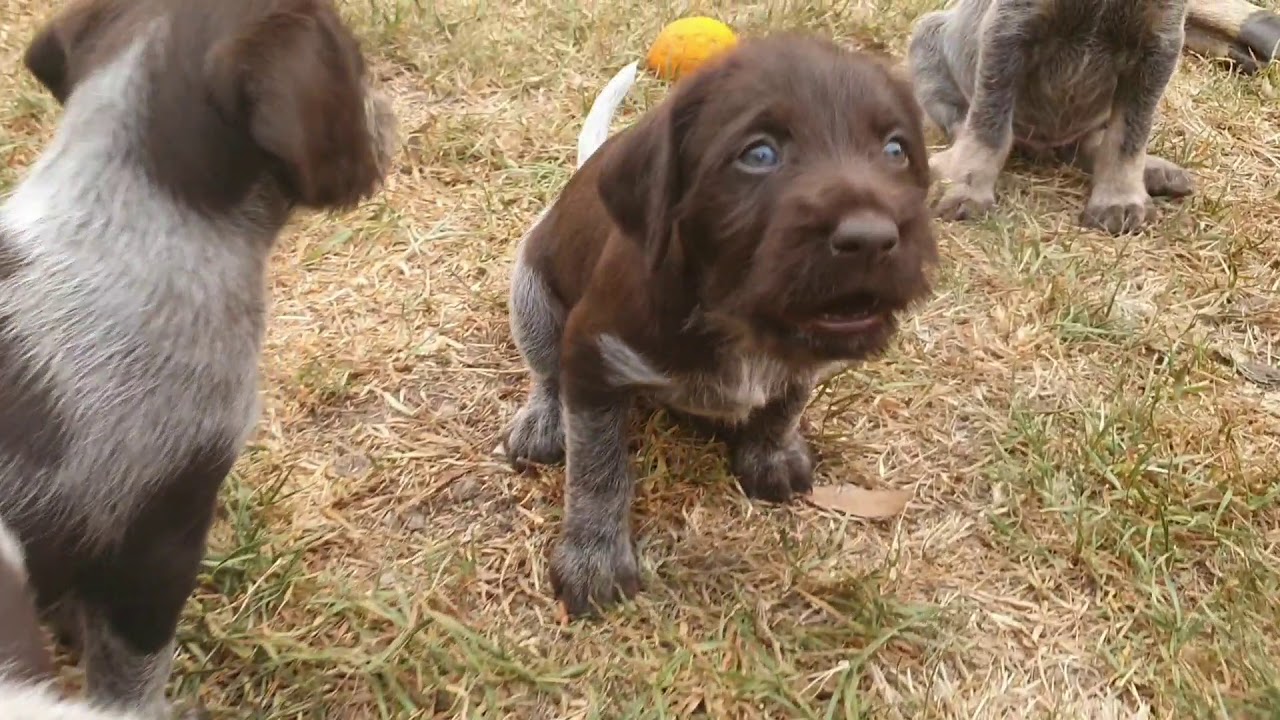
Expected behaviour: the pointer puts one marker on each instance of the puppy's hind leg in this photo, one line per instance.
(935, 87)
(132, 596)
(536, 434)
(1162, 178)
(1241, 33)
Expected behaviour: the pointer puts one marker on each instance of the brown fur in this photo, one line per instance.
(663, 249)
(286, 82)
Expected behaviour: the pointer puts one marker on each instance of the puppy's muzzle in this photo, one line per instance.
(866, 233)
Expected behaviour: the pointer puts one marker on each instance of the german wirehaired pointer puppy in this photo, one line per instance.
(133, 296)
(765, 223)
(1078, 79)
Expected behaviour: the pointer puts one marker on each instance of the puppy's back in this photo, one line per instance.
(566, 245)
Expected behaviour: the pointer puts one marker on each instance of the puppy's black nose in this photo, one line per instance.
(865, 232)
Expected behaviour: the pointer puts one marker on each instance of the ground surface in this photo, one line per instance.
(1093, 457)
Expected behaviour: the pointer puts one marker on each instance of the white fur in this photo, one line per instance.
(627, 367)
(143, 317)
(32, 701)
(745, 382)
(11, 551)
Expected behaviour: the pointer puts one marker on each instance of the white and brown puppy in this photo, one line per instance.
(133, 258)
(1077, 79)
(766, 222)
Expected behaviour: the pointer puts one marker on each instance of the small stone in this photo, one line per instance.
(464, 489)
(354, 465)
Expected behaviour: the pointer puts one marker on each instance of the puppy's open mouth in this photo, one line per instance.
(848, 314)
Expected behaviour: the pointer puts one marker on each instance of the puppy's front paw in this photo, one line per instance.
(963, 197)
(1165, 179)
(1117, 213)
(536, 434)
(964, 202)
(774, 473)
(593, 574)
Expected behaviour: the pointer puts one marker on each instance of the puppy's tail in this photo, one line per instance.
(595, 129)
(23, 655)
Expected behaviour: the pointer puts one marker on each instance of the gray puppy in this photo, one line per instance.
(1077, 80)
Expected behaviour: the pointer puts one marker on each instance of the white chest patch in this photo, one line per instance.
(731, 391)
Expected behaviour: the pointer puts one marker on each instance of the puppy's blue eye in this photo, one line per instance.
(759, 156)
(894, 150)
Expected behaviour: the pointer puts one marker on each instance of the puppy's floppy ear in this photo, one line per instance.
(640, 180)
(56, 52)
(46, 60)
(294, 78)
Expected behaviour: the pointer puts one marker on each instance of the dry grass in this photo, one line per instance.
(1094, 530)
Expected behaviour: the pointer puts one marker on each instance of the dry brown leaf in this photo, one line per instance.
(859, 501)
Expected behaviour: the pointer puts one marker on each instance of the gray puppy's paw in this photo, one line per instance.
(536, 434)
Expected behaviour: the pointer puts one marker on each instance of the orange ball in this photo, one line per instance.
(686, 44)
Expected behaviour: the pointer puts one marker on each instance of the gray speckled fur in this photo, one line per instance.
(124, 299)
(143, 319)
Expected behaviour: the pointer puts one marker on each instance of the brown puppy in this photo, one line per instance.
(767, 221)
